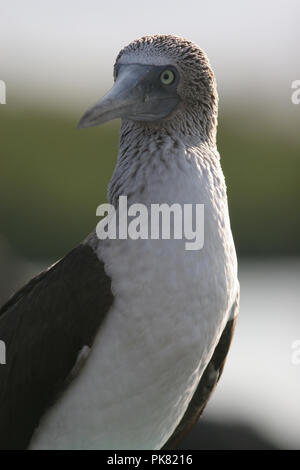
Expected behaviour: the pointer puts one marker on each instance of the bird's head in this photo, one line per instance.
(160, 81)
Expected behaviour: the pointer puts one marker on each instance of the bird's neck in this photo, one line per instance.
(150, 156)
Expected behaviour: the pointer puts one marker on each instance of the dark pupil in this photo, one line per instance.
(166, 76)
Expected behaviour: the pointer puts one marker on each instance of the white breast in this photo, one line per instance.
(170, 308)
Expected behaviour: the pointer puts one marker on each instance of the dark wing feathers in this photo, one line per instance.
(207, 382)
(44, 326)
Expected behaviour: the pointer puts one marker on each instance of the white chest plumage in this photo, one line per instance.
(170, 308)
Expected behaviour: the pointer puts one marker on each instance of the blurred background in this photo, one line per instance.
(56, 59)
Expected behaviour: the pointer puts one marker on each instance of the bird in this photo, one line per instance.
(120, 344)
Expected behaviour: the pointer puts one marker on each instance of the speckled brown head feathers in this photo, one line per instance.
(197, 87)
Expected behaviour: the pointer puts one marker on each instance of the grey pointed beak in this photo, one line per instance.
(136, 95)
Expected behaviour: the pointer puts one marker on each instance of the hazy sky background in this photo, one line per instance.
(62, 51)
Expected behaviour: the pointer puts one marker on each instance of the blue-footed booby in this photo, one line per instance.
(119, 344)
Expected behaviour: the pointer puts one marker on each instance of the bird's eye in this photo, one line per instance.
(167, 77)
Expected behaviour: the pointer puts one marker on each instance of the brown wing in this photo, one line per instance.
(207, 383)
